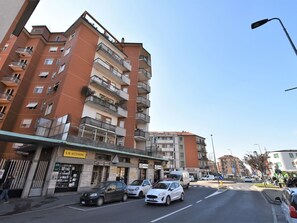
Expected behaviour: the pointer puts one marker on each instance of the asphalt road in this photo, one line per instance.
(201, 205)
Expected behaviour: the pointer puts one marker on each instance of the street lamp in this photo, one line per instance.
(263, 21)
(215, 162)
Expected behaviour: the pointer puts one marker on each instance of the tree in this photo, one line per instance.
(257, 161)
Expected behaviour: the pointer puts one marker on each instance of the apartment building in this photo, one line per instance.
(231, 166)
(284, 160)
(183, 150)
(80, 100)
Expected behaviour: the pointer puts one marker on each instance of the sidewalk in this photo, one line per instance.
(18, 205)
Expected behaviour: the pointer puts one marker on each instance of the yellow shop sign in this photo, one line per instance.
(75, 154)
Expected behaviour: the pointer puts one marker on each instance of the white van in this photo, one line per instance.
(182, 176)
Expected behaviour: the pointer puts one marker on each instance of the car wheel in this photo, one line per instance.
(100, 201)
(182, 197)
(168, 201)
(140, 195)
(125, 197)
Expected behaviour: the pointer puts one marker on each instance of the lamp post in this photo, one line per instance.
(215, 162)
(263, 21)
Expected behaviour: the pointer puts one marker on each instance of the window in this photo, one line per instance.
(38, 90)
(49, 61)
(5, 47)
(43, 74)
(48, 109)
(291, 155)
(57, 38)
(62, 67)
(2, 109)
(279, 164)
(62, 49)
(54, 75)
(26, 123)
(9, 91)
(53, 49)
(67, 51)
(49, 90)
(71, 36)
(32, 105)
(17, 76)
(56, 86)
(275, 155)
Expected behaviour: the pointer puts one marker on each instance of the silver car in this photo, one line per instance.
(139, 188)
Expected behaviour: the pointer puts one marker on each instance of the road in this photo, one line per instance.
(201, 205)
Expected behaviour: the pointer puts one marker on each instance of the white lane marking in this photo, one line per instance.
(198, 201)
(215, 193)
(79, 209)
(273, 214)
(165, 216)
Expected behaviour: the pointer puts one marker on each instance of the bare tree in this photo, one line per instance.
(257, 162)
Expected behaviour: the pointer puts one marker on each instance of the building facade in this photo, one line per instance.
(83, 87)
(230, 166)
(284, 160)
(183, 150)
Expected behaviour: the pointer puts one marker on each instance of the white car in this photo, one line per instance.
(139, 188)
(208, 177)
(289, 204)
(164, 192)
(249, 179)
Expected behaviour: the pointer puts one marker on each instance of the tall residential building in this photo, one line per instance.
(83, 98)
(183, 150)
(231, 166)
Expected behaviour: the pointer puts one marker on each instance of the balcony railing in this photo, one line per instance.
(18, 66)
(146, 60)
(25, 52)
(5, 97)
(10, 81)
(144, 118)
(143, 101)
(141, 135)
(143, 88)
(124, 64)
(111, 72)
(97, 124)
(2, 114)
(111, 88)
(144, 74)
(102, 103)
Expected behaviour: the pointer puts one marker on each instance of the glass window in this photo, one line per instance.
(62, 67)
(32, 105)
(53, 49)
(291, 155)
(67, 51)
(48, 109)
(5, 47)
(38, 90)
(26, 123)
(275, 155)
(43, 74)
(48, 61)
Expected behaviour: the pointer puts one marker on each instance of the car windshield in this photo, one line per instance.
(163, 186)
(103, 185)
(174, 176)
(136, 183)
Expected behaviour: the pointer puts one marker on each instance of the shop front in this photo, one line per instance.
(143, 166)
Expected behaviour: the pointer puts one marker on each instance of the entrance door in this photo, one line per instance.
(122, 174)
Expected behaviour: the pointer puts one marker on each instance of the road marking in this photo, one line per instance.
(215, 193)
(165, 216)
(198, 201)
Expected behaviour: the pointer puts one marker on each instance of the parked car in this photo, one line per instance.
(192, 179)
(164, 192)
(107, 191)
(289, 204)
(139, 188)
(208, 177)
(249, 179)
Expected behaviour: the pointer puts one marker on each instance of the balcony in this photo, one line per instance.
(5, 98)
(142, 118)
(144, 75)
(106, 106)
(140, 135)
(143, 102)
(110, 72)
(24, 52)
(97, 124)
(120, 131)
(18, 66)
(104, 50)
(143, 88)
(144, 61)
(10, 81)
(105, 86)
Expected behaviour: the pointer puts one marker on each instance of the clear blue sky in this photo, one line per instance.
(212, 74)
